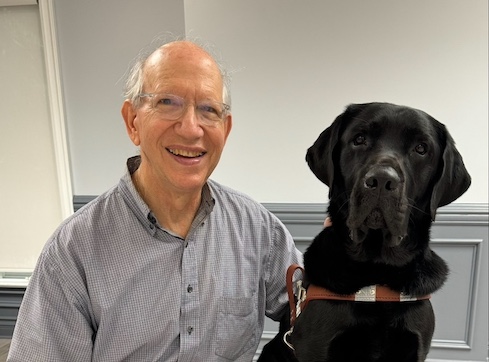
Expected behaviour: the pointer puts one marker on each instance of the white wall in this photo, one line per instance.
(298, 64)
(97, 42)
(30, 207)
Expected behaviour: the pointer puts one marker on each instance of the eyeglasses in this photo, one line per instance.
(171, 107)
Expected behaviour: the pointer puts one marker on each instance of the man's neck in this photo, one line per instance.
(175, 211)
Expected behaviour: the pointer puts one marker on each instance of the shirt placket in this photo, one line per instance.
(189, 313)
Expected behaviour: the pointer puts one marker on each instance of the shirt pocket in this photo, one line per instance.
(236, 327)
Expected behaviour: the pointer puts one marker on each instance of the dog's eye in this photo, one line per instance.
(359, 140)
(421, 148)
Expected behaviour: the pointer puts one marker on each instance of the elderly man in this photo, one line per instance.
(168, 265)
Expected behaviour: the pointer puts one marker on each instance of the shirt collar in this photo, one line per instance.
(143, 211)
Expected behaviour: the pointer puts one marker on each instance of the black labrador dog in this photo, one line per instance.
(388, 169)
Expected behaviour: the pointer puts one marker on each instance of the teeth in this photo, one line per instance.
(185, 153)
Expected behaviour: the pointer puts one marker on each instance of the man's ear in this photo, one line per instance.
(228, 124)
(129, 115)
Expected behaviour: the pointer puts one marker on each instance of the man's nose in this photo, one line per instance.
(189, 122)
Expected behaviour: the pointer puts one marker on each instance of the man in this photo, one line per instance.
(167, 265)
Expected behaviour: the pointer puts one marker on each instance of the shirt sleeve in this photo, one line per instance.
(283, 253)
(53, 324)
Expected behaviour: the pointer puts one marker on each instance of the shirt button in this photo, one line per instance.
(190, 289)
(190, 329)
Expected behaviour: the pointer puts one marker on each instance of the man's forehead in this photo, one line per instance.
(172, 62)
(181, 51)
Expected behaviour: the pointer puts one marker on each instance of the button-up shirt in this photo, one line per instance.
(113, 285)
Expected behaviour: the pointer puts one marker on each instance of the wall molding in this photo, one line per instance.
(474, 246)
(314, 212)
(56, 107)
(311, 213)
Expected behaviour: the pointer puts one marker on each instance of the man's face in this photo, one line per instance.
(179, 154)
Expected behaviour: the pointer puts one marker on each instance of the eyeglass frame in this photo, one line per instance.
(225, 107)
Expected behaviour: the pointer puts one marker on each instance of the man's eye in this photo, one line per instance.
(168, 102)
(359, 140)
(209, 109)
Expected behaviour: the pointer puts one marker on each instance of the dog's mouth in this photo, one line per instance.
(360, 234)
(375, 220)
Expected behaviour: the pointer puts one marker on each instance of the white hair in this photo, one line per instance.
(135, 76)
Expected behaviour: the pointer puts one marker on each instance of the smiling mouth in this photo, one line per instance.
(185, 153)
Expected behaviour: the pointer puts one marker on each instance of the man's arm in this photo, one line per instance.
(53, 323)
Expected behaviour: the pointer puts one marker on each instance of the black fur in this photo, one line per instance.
(388, 169)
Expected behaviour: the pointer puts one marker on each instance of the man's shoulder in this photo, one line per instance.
(239, 202)
(102, 201)
(90, 215)
(223, 192)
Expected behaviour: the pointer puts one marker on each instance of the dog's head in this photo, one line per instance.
(381, 161)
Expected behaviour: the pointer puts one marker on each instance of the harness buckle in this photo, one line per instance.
(301, 297)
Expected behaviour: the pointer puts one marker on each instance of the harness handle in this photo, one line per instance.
(294, 305)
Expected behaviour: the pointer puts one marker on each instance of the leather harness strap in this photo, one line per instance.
(372, 293)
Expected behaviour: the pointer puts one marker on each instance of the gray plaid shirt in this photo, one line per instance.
(112, 285)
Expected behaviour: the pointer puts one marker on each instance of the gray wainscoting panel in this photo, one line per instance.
(10, 299)
(459, 235)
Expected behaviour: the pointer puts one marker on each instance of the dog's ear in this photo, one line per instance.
(322, 156)
(319, 155)
(454, 179)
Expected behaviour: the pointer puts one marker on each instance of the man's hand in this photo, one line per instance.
(328, 222)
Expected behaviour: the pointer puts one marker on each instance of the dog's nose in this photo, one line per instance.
(382, 178)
